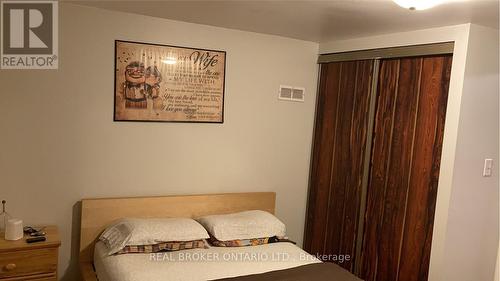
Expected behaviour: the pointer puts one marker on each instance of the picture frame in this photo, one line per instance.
(165, 83)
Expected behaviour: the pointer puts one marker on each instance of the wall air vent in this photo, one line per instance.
(285, 93)
(298, 94)
(290, 93)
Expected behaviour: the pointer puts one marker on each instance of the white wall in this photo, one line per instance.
(472, 236)
(465, 235)
(60, 144)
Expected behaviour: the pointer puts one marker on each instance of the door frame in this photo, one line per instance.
(390, 52)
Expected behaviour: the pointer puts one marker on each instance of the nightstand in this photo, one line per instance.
(35, 262)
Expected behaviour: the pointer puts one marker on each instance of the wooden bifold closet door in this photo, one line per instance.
(375, 169)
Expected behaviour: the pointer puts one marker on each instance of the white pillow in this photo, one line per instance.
(244, 225)
(131, 231)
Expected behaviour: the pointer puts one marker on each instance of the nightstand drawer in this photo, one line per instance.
(24, 263)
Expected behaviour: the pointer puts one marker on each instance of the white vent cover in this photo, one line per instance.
(290, 93)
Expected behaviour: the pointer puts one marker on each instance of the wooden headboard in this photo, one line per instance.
(99, 213)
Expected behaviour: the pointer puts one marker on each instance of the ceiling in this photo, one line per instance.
(311, 20)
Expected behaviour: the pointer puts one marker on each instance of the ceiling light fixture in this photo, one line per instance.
(417, 4)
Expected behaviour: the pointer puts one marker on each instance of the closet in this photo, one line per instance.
(375, 161)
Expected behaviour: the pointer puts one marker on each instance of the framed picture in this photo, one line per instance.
(163, 83)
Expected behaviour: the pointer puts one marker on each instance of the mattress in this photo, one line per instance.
(198, 264)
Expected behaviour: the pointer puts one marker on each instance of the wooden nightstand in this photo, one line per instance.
(36, 261)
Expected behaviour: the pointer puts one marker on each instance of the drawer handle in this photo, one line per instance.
(10, 266)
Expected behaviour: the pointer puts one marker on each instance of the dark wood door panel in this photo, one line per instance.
(355, 162)
(401, 194)
(326, 114)
(340, 160)
(337, 165)
(425, 169)
(387, 84)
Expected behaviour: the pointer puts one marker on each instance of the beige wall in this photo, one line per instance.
(497, 273)
(59, 143)
(465, 235)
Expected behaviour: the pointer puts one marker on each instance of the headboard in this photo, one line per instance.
(98, 213)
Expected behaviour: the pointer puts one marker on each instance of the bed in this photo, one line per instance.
(278, 261)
